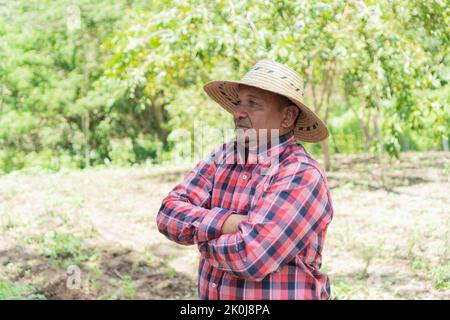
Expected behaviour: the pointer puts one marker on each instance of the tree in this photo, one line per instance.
(87, 83)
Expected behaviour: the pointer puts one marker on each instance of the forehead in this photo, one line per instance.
(256, 92)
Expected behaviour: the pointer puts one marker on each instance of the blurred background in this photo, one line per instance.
(98, 100)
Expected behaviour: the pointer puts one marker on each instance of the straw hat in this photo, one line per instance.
(278, 78)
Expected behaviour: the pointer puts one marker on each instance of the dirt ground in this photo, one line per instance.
(389, 238)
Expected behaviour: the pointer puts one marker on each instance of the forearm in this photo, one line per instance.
(185, 223)
(237, 252)
(232, 222)
(185, 215)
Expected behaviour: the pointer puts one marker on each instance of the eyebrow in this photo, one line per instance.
(258, 98)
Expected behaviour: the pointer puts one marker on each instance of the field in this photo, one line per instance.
(389, 238)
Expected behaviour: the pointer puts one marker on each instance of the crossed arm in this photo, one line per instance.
(185, 215)
(290, 213)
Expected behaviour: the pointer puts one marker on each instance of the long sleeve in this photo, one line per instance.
(185, 215)
(288, 215)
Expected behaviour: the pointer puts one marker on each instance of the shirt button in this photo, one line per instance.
(244, 177)
(213, 285)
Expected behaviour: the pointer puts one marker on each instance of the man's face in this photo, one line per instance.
(258, 109)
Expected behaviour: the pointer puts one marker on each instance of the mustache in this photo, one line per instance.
(240, 124)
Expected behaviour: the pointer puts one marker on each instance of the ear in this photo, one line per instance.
(290, 114)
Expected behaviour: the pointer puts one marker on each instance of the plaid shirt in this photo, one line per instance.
(276, 254)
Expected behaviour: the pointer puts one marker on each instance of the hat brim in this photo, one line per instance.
(309, 127)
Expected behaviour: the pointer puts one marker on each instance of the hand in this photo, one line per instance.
(231, 224)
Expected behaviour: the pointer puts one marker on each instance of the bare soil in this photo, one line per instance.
(388, 240)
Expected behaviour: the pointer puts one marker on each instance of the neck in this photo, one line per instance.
(282, 138)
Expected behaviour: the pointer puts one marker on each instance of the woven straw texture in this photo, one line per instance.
(278, 78)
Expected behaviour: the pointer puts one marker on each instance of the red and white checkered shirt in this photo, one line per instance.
(276, 254)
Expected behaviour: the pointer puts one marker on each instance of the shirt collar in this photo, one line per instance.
(277, 149)
(264, 155)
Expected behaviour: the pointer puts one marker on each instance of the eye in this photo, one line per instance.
(252, 103)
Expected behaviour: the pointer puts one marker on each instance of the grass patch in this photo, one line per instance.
(170, 271)
(341, 290)
(13, 291)
(128, 288)
(441, 277)
(66, 249)
(368, 254)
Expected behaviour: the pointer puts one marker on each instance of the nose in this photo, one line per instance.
(239, 113)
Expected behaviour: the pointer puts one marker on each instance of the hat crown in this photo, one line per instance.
(268, 71)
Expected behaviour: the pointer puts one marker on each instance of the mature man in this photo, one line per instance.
(259, 221)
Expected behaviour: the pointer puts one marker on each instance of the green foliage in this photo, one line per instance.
(13, 291)
(128, 288)
(66, 249)
(441, 276)
(53, 114)
(344, 291)
(119, 82)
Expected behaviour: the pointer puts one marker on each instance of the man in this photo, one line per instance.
(259, 225)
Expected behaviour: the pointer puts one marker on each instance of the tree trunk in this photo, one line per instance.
(445, 143)
(326, 154)
(157, 110)
(86, 134)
